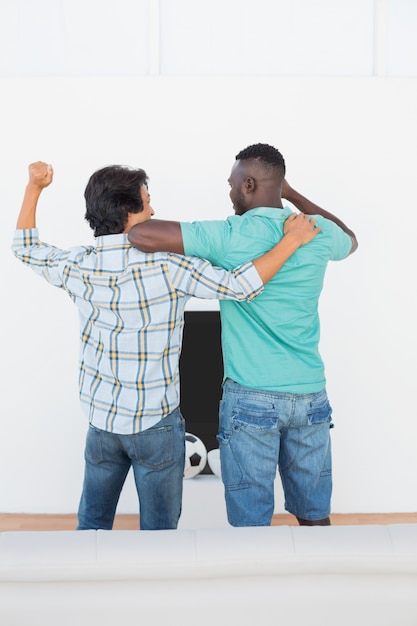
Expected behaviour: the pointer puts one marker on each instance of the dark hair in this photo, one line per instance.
(266, 154)
(111, 193)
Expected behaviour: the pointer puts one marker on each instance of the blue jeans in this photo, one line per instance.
(262, 430)
(156, 456)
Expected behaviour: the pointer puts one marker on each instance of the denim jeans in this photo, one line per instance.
(261, 431)
(156, 456)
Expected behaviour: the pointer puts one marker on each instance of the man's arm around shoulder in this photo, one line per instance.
(160, 235)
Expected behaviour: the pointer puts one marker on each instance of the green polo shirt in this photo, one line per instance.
(271, 342)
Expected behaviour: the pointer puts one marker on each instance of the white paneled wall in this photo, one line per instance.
(74, 37)
(267, 38)
(213, 37)
(401, 40)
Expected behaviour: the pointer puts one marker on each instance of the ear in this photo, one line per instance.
(249, 184)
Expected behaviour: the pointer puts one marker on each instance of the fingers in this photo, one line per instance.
(40, 167)
(317, 229)
(292, 217)
(40, 173)
(312, 221)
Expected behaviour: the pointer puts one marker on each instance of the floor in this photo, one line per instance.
(15, 522)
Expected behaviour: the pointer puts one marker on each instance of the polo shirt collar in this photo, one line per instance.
(271, 212)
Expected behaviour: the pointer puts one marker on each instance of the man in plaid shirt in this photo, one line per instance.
(131, 310)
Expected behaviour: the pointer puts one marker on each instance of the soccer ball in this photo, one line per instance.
(195, 456)
(213, 460)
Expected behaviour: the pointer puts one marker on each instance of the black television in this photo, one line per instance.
(201, 375)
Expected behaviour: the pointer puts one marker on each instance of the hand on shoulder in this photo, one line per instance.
(302, 227)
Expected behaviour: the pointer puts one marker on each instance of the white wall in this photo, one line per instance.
(344, 117)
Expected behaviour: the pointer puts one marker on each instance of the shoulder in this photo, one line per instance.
(208, 239)
(330, 228)
(333, 237)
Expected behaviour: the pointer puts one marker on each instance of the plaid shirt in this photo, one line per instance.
(131, 309)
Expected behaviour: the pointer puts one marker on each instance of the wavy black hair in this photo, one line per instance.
(111, 193)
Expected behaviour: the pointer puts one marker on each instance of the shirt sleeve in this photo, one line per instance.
(339, 242)
(45, 260)
(197, 277)
(207, 239)
(342, 244)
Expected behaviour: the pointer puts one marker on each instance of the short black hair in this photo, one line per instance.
(266, 154)
(110, 195)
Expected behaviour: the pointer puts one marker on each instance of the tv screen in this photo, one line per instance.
(201, 375)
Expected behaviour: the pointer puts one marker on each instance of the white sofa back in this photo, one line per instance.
(339, 575)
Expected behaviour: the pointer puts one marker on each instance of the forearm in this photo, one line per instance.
(27, 215)
(310, 208)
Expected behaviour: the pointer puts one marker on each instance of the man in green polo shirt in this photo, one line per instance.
(274, 410)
